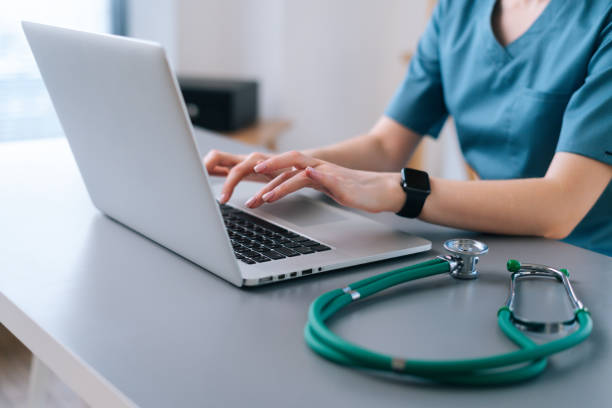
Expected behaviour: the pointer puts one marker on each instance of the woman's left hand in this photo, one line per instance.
(364, 190)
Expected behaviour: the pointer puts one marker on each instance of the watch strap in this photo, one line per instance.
(415, 184)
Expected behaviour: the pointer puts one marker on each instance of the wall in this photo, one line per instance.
(236, 38)
(330, 66)
(154, 20)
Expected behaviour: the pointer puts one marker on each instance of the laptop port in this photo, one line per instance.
(306, 272)
(293, 274)
(266, 279)
(281, 276)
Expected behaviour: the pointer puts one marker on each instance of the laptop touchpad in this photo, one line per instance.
(302, 212)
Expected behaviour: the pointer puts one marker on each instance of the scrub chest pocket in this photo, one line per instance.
(533, 123)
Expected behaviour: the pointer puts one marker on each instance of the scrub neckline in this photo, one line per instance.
(506, 53)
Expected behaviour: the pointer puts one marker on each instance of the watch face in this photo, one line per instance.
(415, 179)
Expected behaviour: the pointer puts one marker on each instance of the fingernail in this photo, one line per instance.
(311, 170)
(268, 195)
(223, 197)
(250, 201)
(259, 168)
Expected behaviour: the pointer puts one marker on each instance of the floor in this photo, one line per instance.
(14, 375)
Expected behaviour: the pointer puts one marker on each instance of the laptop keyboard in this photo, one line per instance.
(255, 240)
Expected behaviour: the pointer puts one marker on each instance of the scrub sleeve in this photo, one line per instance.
(418, 103)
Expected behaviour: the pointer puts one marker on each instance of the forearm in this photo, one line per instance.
(536, 206)
(550, 206)
(386, 147)
(364, 152)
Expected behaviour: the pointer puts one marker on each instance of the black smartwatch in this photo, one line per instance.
(416, 186)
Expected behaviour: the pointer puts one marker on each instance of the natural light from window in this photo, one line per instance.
(25, 108)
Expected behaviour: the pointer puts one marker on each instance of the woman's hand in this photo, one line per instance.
(235, 167)
(365, 190)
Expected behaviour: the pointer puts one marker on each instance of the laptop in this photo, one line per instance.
(123, 114)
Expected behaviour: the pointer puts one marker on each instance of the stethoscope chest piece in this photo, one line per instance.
(464, 255)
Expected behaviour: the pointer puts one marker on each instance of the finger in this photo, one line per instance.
(297, 182)
(219, 171)
(216, 158)
(224, 171)
(256, 200)
(261, 178)
(285, 160)
(237, 173)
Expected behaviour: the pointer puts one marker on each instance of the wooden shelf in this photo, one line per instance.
(263, 133)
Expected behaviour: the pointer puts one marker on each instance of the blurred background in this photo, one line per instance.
(325, 69)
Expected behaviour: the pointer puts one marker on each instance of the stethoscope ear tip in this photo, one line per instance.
(513, 265)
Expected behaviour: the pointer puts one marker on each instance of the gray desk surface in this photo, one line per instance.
(162, 332)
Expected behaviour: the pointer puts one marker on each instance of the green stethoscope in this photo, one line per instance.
(514, 366)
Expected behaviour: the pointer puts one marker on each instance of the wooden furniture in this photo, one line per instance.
(263, 133)
(15, 373)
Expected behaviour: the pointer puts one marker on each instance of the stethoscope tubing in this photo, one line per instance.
(519, 365)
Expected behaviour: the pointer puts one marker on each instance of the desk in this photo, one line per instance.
(125, 322)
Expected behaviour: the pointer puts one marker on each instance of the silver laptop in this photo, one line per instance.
(125, 120)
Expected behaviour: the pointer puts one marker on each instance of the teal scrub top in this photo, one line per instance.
(515, 106)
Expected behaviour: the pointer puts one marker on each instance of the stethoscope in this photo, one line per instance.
(527, 362)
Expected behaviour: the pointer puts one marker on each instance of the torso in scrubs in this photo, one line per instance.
(515, 106)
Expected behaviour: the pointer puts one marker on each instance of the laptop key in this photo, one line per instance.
(304, 250)
(320, 248)
(273, 255)
(287, 251)
(250, 254)
(292, 244)
(309, 243)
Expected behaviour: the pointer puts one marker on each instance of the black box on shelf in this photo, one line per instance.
(223, 105)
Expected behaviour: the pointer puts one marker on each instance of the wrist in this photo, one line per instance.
(416, 186)
(395, 196)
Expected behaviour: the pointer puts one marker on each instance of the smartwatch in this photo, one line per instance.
(415, 184)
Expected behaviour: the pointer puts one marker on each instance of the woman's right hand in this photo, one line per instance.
(235, 167)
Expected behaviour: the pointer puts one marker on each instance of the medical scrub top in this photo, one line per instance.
(515, 106)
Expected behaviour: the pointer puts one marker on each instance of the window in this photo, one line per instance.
(26, 111)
